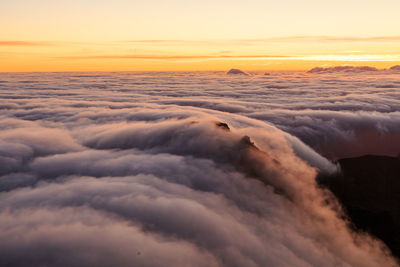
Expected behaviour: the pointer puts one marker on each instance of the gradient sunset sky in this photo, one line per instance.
(155, 35)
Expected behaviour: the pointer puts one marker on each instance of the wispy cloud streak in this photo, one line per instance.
(183, 42)
(25, 43)
(337, 57)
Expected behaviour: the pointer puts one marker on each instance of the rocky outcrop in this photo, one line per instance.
(223, 125)
(369, 189)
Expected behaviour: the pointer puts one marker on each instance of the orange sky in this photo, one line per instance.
(121, 35)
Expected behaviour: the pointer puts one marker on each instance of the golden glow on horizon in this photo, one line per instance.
(91, 35)
(188, 56)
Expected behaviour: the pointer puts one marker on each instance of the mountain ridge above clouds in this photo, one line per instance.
(236, 72)
(350, 69)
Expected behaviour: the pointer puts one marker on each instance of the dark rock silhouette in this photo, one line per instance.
(397, 67)
(223, 126)
(236, 72)
(369, 190)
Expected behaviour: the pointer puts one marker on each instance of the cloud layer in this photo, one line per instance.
(181, 169)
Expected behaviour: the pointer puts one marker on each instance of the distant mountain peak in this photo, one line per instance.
(236, 71)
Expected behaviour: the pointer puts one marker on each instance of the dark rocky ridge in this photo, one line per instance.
(369, 189)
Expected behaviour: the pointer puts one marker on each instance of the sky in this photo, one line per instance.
(154, 35)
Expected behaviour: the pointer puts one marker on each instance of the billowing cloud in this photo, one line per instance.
(178, 57)
(180, 169)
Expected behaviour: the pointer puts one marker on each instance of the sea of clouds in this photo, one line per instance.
(186, 169)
